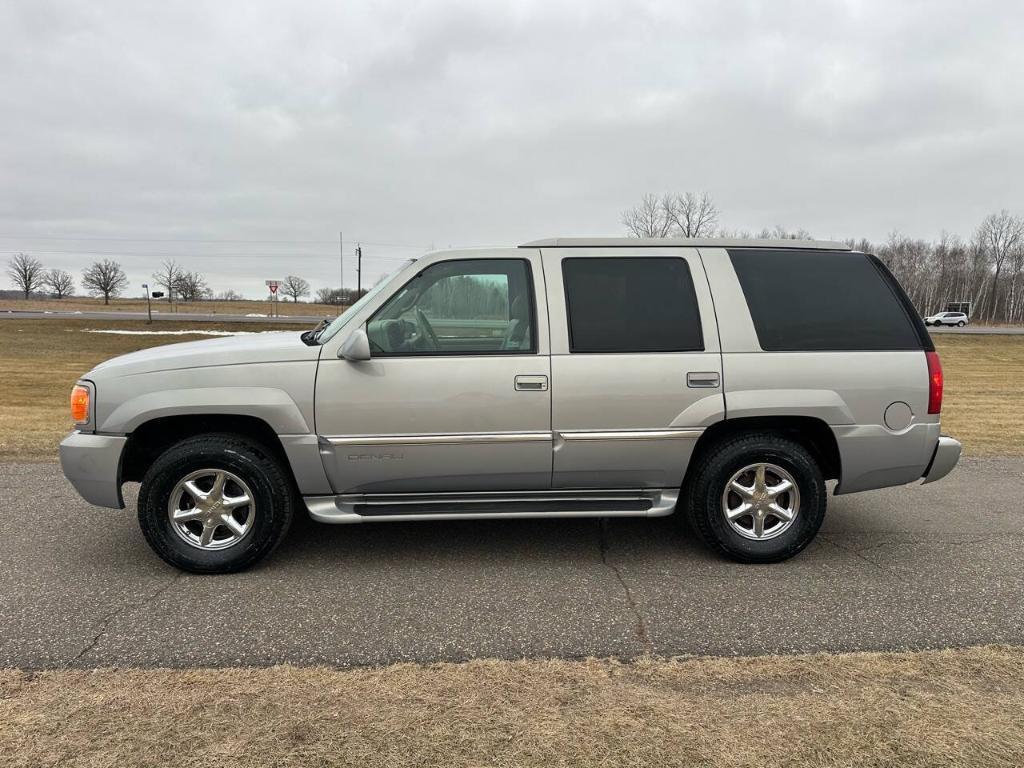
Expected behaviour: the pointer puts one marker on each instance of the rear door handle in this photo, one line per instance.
(532, 383)
(708, 379)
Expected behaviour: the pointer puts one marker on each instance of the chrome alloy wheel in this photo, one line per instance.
(211, 509)
(761, 501)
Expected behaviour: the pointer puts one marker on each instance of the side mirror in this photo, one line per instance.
(356, 346)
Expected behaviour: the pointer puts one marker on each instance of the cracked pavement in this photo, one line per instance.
(913, 567)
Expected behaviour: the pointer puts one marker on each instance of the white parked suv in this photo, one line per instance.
(723, 380)
(947, 318)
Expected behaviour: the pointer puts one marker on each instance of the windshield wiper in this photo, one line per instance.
(310, 337)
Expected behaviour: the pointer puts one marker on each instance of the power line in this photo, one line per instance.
(200, 240)
(192, 254)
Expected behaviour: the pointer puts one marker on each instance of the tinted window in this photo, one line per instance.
(471, 306)
(631, 305)
(823, 300)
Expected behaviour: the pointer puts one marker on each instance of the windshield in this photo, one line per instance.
(342, 320)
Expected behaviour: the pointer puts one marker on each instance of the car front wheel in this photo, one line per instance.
(961, 324)
(756, 498)
(215, 503)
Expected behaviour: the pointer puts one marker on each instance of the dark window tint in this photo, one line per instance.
(631, 305)
(823, 300)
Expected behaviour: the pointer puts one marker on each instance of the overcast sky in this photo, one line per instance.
(143, 128)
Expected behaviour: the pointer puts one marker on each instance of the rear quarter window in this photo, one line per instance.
(824, 301)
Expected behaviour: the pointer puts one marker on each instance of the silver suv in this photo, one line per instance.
(947, 318)
(725, 380)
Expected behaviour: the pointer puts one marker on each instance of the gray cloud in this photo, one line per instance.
(485, 123)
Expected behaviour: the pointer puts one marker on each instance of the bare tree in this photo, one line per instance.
(167, 278)
(334, 296)
(104, 278)
(651, 218)
(692, 215)
(27, 273)
(295, 287)
(1000, 234)
(672, 215)
(191, 286)
(779, 232)
(230, 295)
(60, 283)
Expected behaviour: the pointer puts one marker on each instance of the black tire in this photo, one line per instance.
(707, 480)
(269, 482)
(961, 324)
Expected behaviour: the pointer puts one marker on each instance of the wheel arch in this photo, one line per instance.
(813, 433)
(151, 438)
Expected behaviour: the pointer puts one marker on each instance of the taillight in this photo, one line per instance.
(934, 382)
(80, 404)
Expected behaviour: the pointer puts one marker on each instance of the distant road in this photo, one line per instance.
(1016, 330)
(178, 317)
(198, 317)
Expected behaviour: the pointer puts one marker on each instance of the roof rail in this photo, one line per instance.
(682, 242)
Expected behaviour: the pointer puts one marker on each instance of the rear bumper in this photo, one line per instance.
(93, 465)
(947, 454)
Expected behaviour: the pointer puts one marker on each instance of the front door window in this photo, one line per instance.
(461, 307)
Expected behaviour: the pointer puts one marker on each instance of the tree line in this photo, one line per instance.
(106, 279)
(985, 269)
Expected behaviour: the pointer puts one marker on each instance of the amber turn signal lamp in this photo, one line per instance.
(80, 404)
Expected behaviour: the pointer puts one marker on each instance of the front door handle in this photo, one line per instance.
(532, 383)
(708, 379)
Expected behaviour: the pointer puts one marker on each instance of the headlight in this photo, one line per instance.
(80, 404)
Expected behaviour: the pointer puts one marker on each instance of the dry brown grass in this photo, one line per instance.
(79, 304)
(983, 404)
(41, 359)
(935, 708)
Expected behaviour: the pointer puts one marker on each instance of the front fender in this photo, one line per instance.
(274, 406)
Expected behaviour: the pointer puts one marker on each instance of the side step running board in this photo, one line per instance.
(359, 508)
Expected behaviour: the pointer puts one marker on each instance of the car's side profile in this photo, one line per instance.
(579, 377)
(958, 319)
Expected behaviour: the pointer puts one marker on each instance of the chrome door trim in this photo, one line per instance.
(515, 437)
(637, 434)
(463, 439)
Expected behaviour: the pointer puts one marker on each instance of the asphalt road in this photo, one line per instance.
(312, 319)
(938, 565)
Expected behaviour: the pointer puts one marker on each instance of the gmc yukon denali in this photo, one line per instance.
(724, 381)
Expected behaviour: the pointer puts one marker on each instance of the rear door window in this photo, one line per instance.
(823, 300)
(631, 305)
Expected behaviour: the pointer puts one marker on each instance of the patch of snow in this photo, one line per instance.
(171, 333)
(255, 314)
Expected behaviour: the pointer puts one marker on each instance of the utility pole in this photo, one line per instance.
(341, 261)
(359, 270)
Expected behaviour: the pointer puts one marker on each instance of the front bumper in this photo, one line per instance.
(93, 465)
(947, 454)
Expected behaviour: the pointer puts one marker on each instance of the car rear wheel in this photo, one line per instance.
(215, 503)
(756, 498)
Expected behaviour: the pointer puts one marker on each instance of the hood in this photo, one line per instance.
(278, 346)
